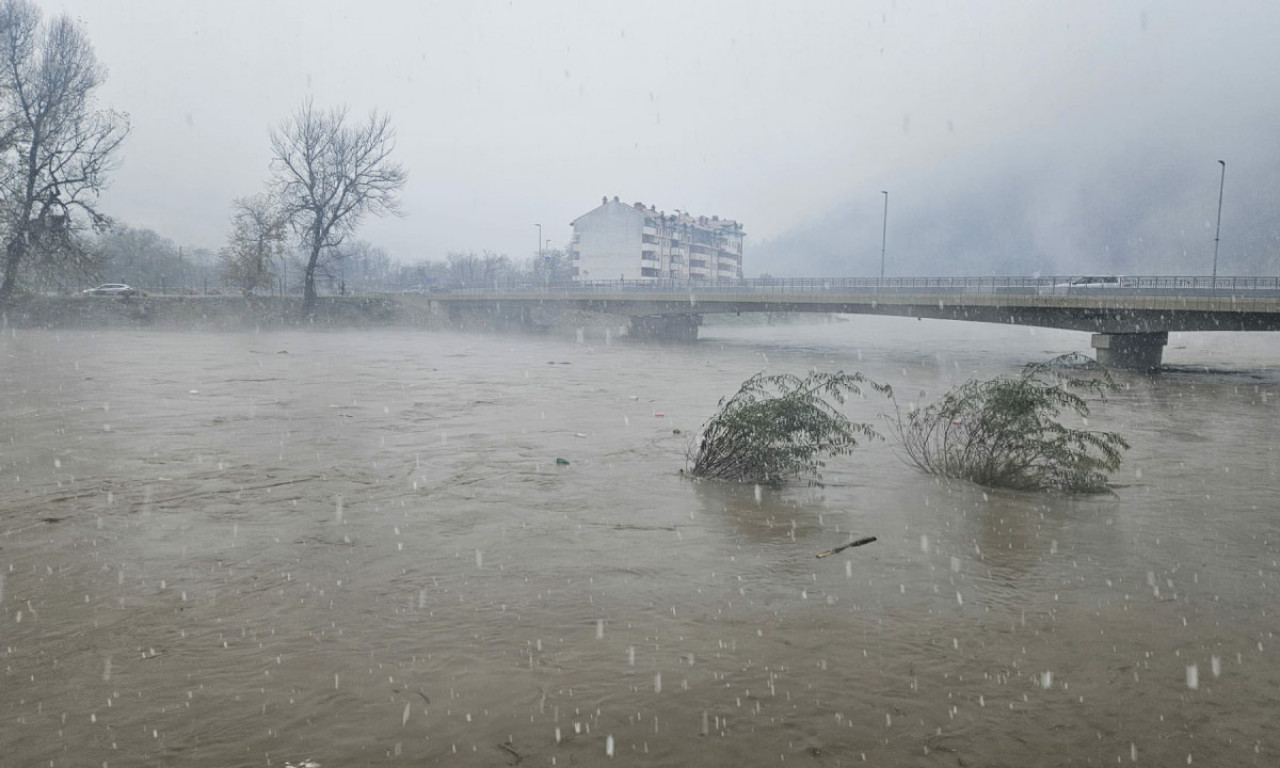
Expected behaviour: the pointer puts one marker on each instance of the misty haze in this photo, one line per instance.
(554, 384)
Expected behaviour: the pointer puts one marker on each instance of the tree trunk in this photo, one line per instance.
(14, 252)
(309, 282)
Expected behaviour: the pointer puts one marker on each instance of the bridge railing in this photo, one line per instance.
(1187, 285)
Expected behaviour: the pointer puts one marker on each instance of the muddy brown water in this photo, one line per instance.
(358, 548)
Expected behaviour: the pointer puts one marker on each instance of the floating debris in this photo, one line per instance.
(843, 547)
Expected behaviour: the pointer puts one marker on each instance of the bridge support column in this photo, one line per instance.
(1134, 351)
(666, 327)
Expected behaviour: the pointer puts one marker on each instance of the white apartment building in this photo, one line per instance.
(617, 241)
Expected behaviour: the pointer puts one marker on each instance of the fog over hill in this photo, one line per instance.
(1061, 202)
(1053, 212)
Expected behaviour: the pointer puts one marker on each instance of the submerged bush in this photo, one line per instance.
(779, 428)
(1005, 432)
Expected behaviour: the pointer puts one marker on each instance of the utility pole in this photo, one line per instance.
(1217, 232)
(539, 226)
(884, 231)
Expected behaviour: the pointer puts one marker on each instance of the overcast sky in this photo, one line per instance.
(515, 113)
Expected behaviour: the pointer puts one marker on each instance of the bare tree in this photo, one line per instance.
(328, 175)
(55, 149)
(552, 267)
(361, 266)
(257, 239)
(142, 258)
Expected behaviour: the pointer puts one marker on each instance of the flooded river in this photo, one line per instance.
(359, 549)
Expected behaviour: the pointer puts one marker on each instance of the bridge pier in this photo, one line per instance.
(1134, 351)
(665, 327)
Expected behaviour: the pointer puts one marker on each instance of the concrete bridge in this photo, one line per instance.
(1129, 317)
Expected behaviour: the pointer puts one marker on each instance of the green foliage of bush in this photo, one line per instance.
(781, 427)
(1005, 432)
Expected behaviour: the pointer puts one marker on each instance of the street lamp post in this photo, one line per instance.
(1221, 184)
(884, 231)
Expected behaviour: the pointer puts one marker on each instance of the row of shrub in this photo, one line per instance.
(1004, 432)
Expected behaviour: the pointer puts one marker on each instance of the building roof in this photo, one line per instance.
(678, 218)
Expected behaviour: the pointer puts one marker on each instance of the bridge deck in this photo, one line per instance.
(1121, 310)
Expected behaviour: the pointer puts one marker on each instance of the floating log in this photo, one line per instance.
(843, 547)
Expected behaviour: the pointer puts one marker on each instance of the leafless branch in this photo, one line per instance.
(55, 149)
(328, 174)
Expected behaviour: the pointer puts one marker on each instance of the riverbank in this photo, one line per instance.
(212, 313)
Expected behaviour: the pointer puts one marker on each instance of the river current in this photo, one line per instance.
(359, 548)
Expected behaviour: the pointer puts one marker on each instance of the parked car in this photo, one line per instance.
(113, 289)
